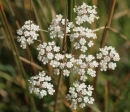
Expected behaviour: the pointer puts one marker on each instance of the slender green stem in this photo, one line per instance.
(71, 4)
(106, 97)
(12, 40)
(61, 70)
(104, 36)
(15, 49)
(57, 91)
(110, 15)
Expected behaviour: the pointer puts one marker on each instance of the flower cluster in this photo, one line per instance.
(81, 37)
(85, 13)
(80, 93)
(57, 27)
(40, 85)
(50, 53)
(106, 55)
(27, 33)
(81, 64)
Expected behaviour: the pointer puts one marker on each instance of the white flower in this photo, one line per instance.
(90, 44)
(83, 78)
(80, 94)
(103, 65)
(29, 32)
(66, 72)
(91, 72)
(48, 48)
(54, 63)
(44, 60)
(89, 58)
(93, 64)
(56, 71)
(41, 52)
(76, 45)
(99, 56)
(50, 55)
(85, 13)
(57, 27)
(81, 71)
(56, 49)
(82, 41)
(106, 55)
(62, 65)
(86, 99)
(41, 87)
(69, 64)
(83, 48)
(112, 65)
(59, 56)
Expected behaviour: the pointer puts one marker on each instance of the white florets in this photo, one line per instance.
(106, 55)
(80, 94)
(85, 13)
(57, 27)
(67, 63)
(40, 85)
(27, 33)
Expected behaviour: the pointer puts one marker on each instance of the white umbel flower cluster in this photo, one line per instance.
(85, 13)
(49, 53)
(57, 27)
(106, 55)
(27, 33)
(78, 63)
(40, 85)
(81, 38)
(80, 94)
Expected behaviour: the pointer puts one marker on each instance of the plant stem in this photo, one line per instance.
(57, 91)
(12, 39)
(110, 15)
(106, 97)
(104, 36)
(61, 70)
(16, 53)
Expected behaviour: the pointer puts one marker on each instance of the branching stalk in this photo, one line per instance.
(104, 36)
(61, 70)
(16, 51)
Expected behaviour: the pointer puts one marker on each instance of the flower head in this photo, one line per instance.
(40, 85)
(27, 33)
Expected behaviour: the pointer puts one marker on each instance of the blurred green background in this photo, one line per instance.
(112, 92)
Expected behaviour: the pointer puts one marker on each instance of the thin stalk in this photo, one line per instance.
(12, 40)
(15, 49)
(106, 97)
(61, 70)
(71, 4)
(38, 20)
(57, 91)
(104, 36)
(110, 15)
(93, 25)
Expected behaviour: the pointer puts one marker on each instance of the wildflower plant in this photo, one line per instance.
(62, 62)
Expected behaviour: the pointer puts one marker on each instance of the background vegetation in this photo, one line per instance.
(112, 92)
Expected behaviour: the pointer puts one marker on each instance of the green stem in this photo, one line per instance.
(104, 36)
(71, 4)
(16, 53)
(106, 97)
(61, 70)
